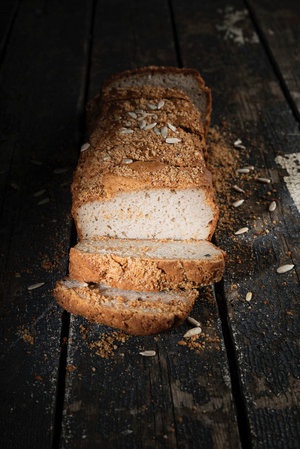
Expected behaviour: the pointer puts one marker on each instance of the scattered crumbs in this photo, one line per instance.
(70, 368)
(26, 336)
(109, 342)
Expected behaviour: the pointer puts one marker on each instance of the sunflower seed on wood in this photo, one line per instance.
(194, 322)
(85, 146)
(264, 180)
(238, 203)
(238, 189)
(272, 206)
(160, 104)
(126, 131)
(150, 126)
(248, 296)
(164, 132)
(148, 353)
(172, 140)
(126, 160)
(172, 127)
(284, 268)
(243, 170)
(241, 231)
(34, 286)
(251, 167)
(132, 114)
(59, 171)
(238, 144)
(39, 193)
(43, 201)
(194, 331)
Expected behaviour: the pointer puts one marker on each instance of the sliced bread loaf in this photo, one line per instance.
(144, 174)
(138, 313)
(147, 265)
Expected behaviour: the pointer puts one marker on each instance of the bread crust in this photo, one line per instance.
(89, 303)
(144, 273)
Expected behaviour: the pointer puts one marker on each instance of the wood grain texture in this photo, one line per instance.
(279, 28)
(117, 398)
(41, 75)
(248, 97)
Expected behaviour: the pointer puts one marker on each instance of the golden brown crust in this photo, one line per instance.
(145, 273)
(162, 71)
(92, 305)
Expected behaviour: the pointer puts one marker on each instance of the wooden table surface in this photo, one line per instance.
(66, 383)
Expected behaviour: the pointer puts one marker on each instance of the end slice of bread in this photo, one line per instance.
(138, 313)
(149, 265)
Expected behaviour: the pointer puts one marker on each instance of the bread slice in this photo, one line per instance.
(187, 80)
(133, 182)
(147, 265)
(138, 313)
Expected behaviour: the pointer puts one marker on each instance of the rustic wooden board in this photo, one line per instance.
(42, 74)
(8, 12)
(249, 102)
(279, 29)
(181, 397)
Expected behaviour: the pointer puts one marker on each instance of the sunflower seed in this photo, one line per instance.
(272, 206)
(243, 170)
(172, 140)
(149, 353)
(132, 114)
(126, 160)
(251, 167)
(238, 203)
(143, 124)
(34, 286)
(39, 193)
(248, 296)
(241, 231)
(172, 127)
(160, 104)
(85, 146)
(285, 268)
(59, 171)
(194, 331)
(264, 180)
(126, 131)
(106, 157)
(238, 189)
(238, 144)
(192, 320)
(164, 132)
(151, 106)
(150, 126)
(157, 131)
(43, 201)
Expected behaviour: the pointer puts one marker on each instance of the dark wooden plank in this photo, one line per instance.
(42, 80)
(249, 103)
(182, 396)
(8, 10)
(279, 28)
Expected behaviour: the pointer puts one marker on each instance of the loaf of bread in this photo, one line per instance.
(143, 203)
(151, 265)
(138, 313)
(144, 173)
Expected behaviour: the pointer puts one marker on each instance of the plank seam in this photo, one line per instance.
(6, 38)
(175, 35)
(234, 372)
(275, 66)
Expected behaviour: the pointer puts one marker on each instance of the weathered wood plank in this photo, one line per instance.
(41, 77)
(279, 27)
(181, 397)
(221, 42)
(8, 10)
